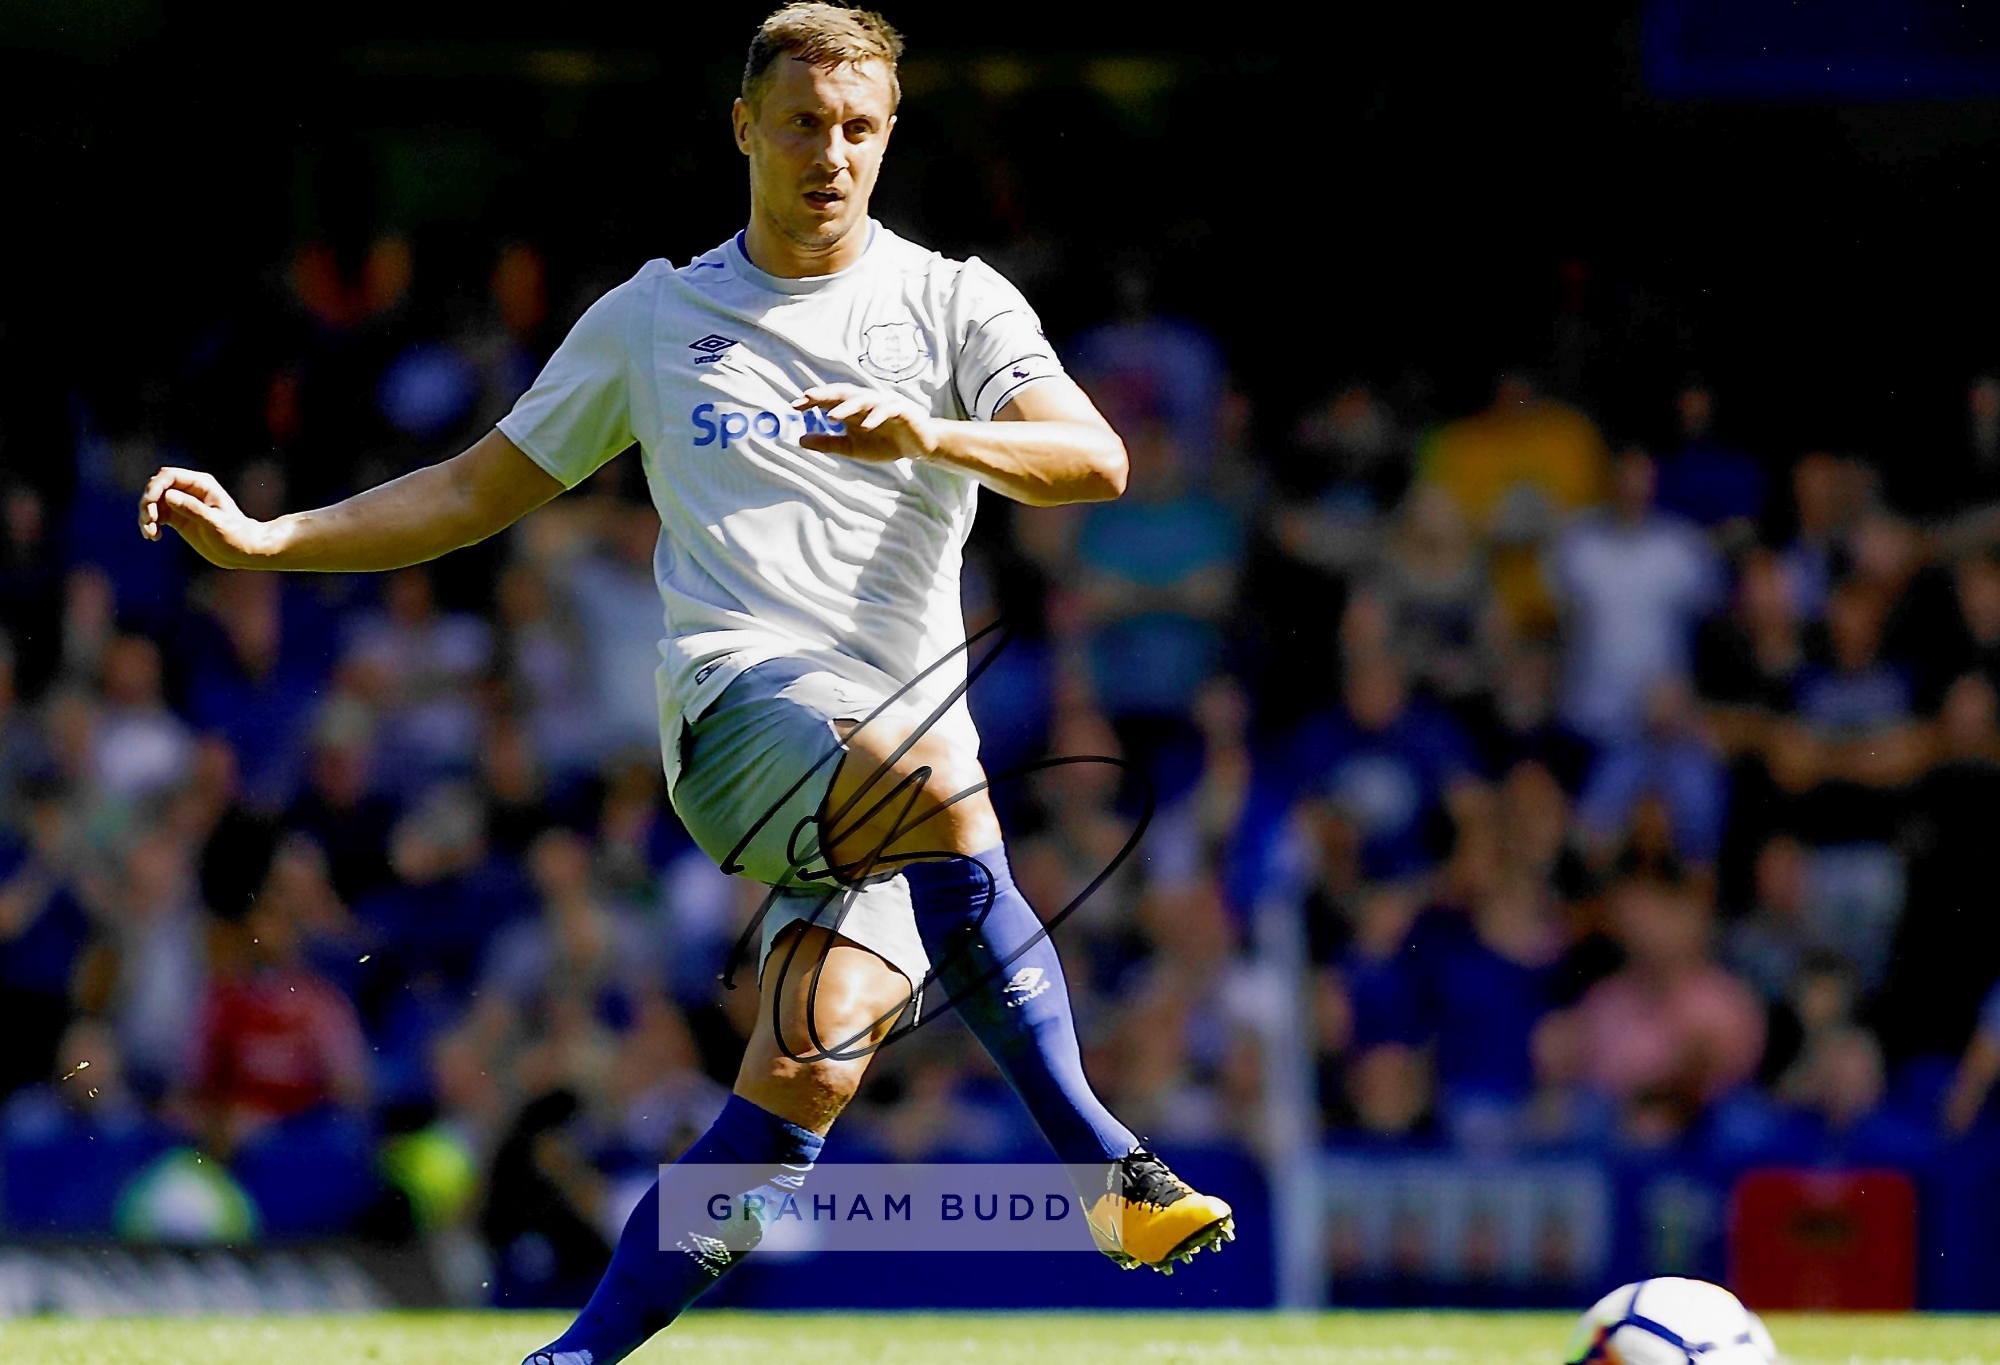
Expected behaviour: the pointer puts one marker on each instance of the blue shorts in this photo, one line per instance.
(754, 773)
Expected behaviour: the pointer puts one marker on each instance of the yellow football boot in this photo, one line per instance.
(1147, 1215)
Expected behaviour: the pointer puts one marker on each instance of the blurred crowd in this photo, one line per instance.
(1623, 793)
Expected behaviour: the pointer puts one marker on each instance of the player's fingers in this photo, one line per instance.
(188, 505)
(882, 413)
(149, 500)
(196, 482)
(820, 395)
(825, 442)
(205, 487)
(840, 412)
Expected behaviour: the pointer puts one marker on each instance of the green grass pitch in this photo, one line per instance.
(964, 1339)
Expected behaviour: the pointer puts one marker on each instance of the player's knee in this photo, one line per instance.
(816, 1092)
(835, 999)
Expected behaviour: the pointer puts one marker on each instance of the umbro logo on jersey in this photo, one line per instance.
(1027, 983)
(711, 347)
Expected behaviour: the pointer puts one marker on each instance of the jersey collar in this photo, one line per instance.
(739, 260)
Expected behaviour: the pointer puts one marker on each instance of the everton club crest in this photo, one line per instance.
(894, 350)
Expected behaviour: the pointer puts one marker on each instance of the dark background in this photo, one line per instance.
(1397, 191)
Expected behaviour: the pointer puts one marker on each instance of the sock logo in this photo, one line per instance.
(711, 1253)
(1028, 983)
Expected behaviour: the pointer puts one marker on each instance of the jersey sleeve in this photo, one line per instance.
(998, 346)
(578, 412)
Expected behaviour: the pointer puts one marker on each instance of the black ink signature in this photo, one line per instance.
(877, 866)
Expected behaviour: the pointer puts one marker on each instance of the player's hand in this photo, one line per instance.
(206, 517)
(879, 426)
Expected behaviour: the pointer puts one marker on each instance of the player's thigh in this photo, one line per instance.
(898, 793)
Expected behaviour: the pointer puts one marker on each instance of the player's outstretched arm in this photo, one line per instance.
(1048, 446)
(424, 514)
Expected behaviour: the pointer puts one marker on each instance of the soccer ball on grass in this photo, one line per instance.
(1671, 1322)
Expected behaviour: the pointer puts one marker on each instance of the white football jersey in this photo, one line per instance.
(767, 548)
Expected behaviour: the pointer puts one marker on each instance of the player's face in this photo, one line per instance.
(815, 141)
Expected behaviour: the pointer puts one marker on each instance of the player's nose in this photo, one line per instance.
(830, 152)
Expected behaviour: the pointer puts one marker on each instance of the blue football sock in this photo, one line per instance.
(658, 1270)
(1021, 1015)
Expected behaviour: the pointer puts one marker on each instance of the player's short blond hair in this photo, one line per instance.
(823, 35)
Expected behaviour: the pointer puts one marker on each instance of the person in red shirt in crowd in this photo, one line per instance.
(274, 1039)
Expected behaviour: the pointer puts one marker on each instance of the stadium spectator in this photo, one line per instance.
(1520, 724)
(1159, 570)
(580, 948)
(1978, 1069)
(148, 592)
(1766, 945)
(1947, 940)
(1747, 660)
(1829, 493)
(1517, 471)
(512, 785)
(273, 1040)
(1670, 1031)
(254, 664)
(147, 968)
(419, 667)
(1188, 1061)
(1958, 495)
(1633, 584)
(1431, 582)
(139, 748)
(1389, 1090)
(43, 931)
(339, 807)
(1142, 367)
(547, 674)
(433, 927)
(22, 756)
(1525, 446)
(1855, 745)
(451, 896)
(333, 944)
(609, 586)
(1349, 449)
(31, 587)
(508, 345)
(1487, 978)
(1855, 693)
(1347, 465)
(1712, 484)
(1670, 760)
(83, 1104)
(1977, 642)
(1390, 766)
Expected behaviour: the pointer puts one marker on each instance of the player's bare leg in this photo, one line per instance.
(908, 801)
(851, 1006)
(786, 1097)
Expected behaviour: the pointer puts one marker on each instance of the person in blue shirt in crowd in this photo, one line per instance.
(1391, 765)
(1711, 483)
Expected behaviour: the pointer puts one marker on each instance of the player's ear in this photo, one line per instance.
(739, 121)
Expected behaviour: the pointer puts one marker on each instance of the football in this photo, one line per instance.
(1671, 1322)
